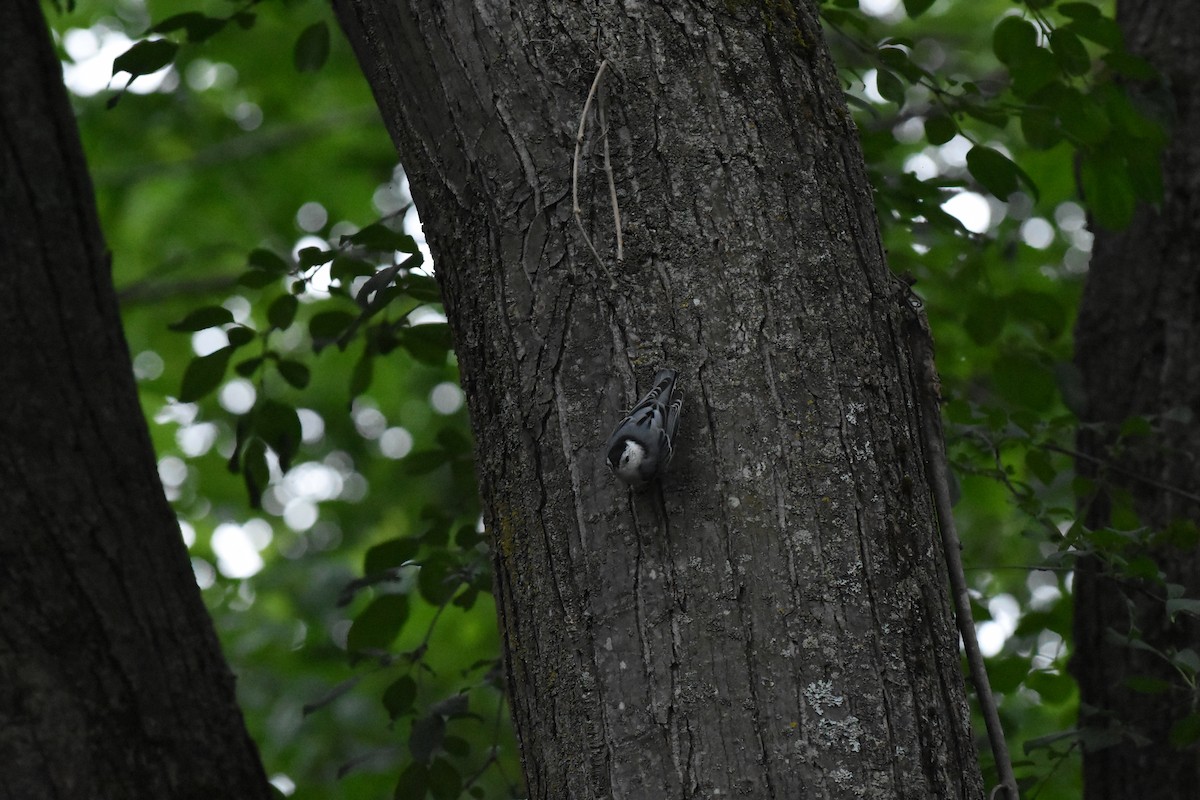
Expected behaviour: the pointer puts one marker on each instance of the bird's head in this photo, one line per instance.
(624, 459)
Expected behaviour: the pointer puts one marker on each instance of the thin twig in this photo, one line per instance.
(612, 185)
(153, 291)
(493, 757)
(933, 439)
(1166, 487)
(587, 104)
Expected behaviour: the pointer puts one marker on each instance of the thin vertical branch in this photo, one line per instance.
(933, 441)
(612, 185)
(575, 171)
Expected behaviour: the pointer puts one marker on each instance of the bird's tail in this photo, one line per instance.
(660, 392)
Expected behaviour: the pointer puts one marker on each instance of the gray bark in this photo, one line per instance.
(112, 683)
(1138, 348)
(774, 623)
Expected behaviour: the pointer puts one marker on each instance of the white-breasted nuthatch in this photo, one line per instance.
(640, 447)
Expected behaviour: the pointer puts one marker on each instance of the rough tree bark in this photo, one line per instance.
(774, 623)
(1138, 347)
(111, 679)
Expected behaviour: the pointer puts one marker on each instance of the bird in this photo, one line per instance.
(641, 445)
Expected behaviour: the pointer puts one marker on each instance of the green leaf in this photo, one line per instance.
(940, 128)
(1129, 119)
(1186, 731)
(1101, 30)
(433, 579)
(282, 311)
(312, 48)
(248, 367)
(1071, 54)
(1054, 688)
(426, 737)
(1182, 533)
(1079, 10)
(993, 169)
(204, 374)
(896, 59)
(1039, 465)
(201, 318)
(413, 783)
(327, 326)
(915, 8)
(310, 257)
(1014, 39)
(378, 625)
(360, 378)
(1039, 126)
(444, 781)
(1130, 66)
(466, 600)
(241, 434)
(399, 696)
(1082, 117)
(1035, 71)
(381, 238)
(279, 424)
(295, 373)
(255, 471)
(372, 294)
(145, 57)
(265, 259)
(422, 462)
(456, 746)
(390, 554)
(345, 269)
(199, 27)
(467, 537)
(429, 344)
(890, 87)
(452, 441)
(989, 114)
(240, 336)
(437, 535)
(423, 288)
(1146, 685)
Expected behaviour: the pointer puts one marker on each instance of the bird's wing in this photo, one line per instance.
(672, 424)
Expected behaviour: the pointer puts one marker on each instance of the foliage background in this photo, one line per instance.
(258, 138)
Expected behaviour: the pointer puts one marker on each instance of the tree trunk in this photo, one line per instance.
(774, 622)
(1137, 345)
(111, 679)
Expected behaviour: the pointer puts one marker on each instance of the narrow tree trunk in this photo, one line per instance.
(774, 623)
(1138, 347)
(111, 679)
